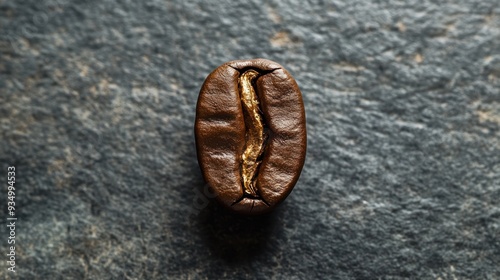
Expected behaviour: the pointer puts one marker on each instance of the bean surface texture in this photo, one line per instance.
(250, 131)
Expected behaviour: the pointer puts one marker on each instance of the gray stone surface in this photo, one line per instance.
(402, 177)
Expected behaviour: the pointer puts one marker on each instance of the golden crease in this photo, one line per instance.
(254, 142)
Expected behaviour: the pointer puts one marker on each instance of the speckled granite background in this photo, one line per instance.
(402, 177)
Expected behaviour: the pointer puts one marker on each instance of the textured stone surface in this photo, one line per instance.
(402, 177)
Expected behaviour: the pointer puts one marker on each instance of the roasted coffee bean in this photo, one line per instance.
(250, 133)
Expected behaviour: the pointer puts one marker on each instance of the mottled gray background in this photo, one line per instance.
(402, 177)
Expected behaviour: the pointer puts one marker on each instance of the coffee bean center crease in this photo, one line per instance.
(255, 138)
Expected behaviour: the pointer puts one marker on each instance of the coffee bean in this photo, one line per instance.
(250, 133)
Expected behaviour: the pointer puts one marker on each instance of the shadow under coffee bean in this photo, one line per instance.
(236, 239)
(250, 134)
